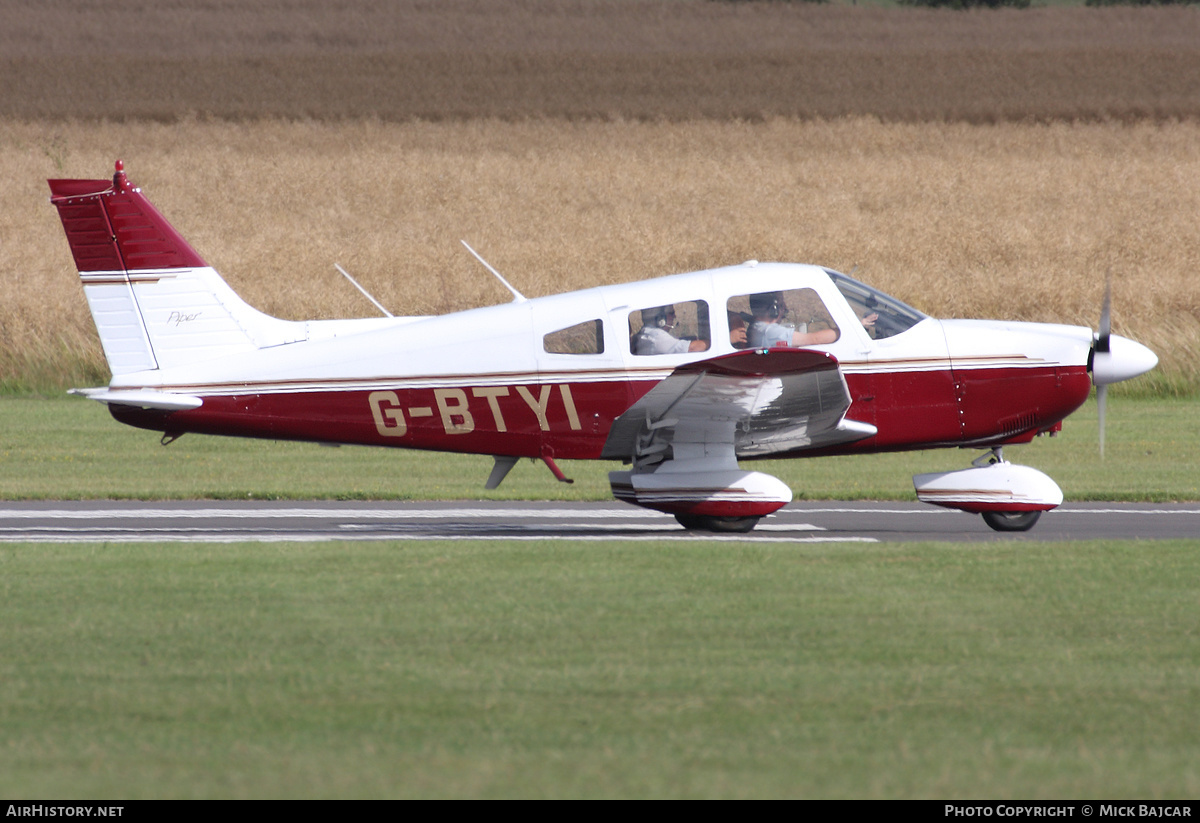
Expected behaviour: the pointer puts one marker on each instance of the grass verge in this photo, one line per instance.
(558, 670)
(70, 448)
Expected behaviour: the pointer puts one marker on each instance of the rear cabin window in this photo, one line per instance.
(791, 317)
(582, 338)
(674, 328)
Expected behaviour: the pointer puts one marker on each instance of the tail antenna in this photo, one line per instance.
(517, 296)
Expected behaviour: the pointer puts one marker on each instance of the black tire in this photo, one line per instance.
(722, 525)
(1011, 521)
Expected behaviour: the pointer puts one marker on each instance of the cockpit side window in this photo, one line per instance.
(789, 317)
(881, 315)
(673, 328)
(582, 338)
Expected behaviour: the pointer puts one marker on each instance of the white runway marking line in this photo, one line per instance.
(141, 536)
(526, 529)
(659, 527)
(940, 510)
(348, 514)
(417, 514)
(1123, 511)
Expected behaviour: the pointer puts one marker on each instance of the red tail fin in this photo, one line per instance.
(113, 227)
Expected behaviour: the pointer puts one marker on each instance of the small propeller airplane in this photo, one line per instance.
(678, 377)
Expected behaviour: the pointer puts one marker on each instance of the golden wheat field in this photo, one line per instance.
(576, 144)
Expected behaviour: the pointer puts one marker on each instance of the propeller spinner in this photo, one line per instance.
(1114, 358)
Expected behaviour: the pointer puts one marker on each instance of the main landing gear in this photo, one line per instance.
(1011, 521)
(721, 525)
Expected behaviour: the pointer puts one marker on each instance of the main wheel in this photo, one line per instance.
(1011, 521)
(724, 525)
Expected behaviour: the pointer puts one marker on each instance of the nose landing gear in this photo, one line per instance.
(1010, 498)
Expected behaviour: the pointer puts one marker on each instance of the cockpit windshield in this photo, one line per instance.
(891, 317)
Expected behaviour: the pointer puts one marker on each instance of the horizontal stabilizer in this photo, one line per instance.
(142, 398)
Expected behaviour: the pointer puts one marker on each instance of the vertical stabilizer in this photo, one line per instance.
(155, 302)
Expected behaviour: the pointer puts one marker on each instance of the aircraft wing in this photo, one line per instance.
(762, 402)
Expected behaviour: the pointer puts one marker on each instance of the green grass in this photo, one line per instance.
(71, 448)
(602, 670)
(419, 669)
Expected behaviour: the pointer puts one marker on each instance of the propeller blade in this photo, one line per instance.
(1114, 358)
(1103, 345)
(1105, 333)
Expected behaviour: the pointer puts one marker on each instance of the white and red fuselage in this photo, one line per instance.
(475, 381)
(550, 377)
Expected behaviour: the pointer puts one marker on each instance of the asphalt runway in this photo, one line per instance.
(808, 522)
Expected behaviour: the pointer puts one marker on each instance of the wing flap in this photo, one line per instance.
(762, 402)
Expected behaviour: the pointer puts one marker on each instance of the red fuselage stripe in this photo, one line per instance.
(910, 409)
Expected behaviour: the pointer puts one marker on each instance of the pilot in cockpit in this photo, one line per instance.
(769, 310)
(655, 336)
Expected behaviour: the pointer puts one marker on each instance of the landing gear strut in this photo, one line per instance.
(994, 455)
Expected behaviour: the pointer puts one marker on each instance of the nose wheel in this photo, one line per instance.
(1002, 521)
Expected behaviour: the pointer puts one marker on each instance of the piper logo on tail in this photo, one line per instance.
(177, 317)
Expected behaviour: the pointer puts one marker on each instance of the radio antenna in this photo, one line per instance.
(366, 294)
(517, 296)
